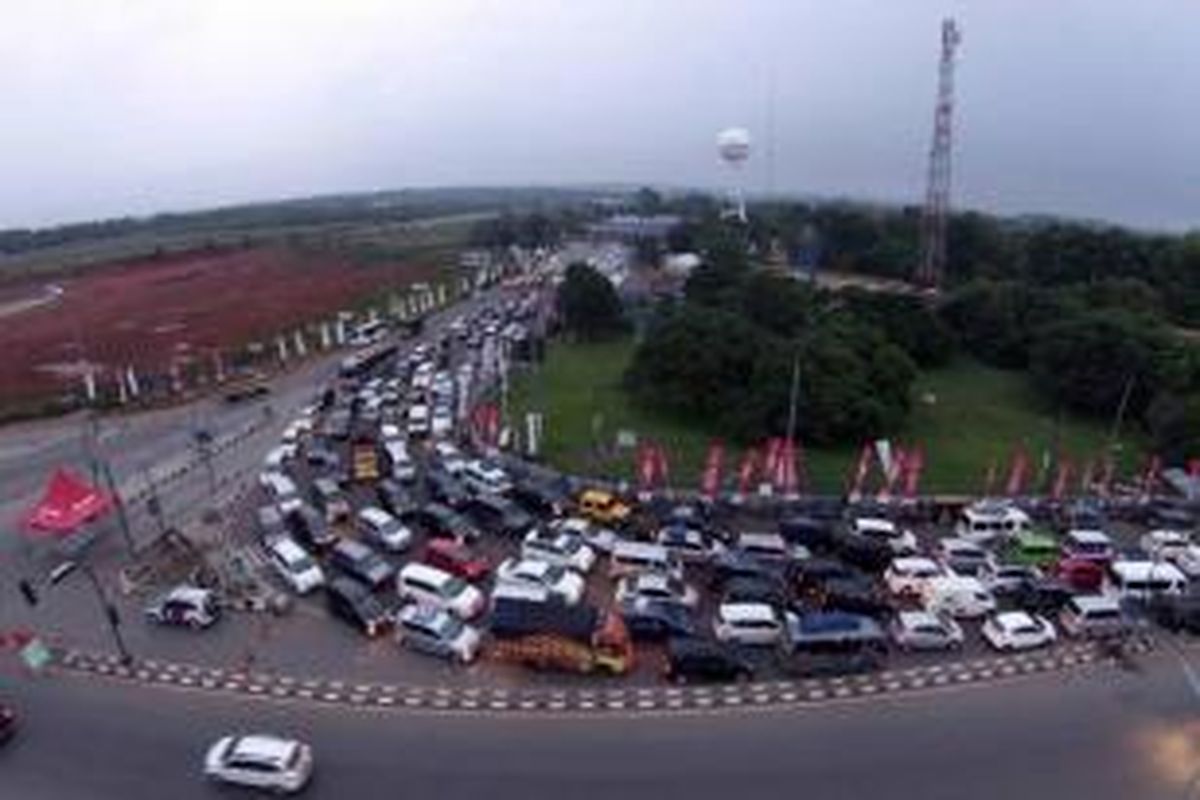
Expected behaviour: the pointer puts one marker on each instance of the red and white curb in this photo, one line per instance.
(573, 699)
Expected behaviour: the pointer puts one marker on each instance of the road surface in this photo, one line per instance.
(1101, 734)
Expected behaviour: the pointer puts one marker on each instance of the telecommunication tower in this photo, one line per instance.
(937, 188)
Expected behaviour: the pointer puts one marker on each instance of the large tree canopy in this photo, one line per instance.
(588, 303)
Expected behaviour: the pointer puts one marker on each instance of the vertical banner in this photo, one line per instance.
(772, 457)
(1017, 473)
(1087, 477)
(644, 466)
(788, 483)
(1193, 467)
(299, 345)
(176, 378)
(710, 479)
(883, 448)
(89, 385)
(1151, 476)
(122, 398)
(1106, 476)
(859, 478)
(914, 463)
(218, 367)
(891, 473)
(339, 330)
(281, 346)
(747, 470)
(1062, 478)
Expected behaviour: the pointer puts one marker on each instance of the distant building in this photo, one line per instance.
(633, 228)
(680, 264)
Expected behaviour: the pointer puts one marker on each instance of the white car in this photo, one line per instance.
(908, 576)
(747, 623)
(383, 529)
(482, 478)
(1017, 630)
(294, 565)
(958, 596)
(770, 547)
(1163, 545)
(432, 587)
(686, 543)
(884, 532)
(657, 587)
(559, 548)
(437, 632)
(597, 537)
(923, 630)
(452, 459)
(1188, 562)
(564, 583)
(260, 762)
(390, 432)
(442, 423)
(418, 420)
(278, 455)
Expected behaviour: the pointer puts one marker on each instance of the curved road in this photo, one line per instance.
(1098, 734)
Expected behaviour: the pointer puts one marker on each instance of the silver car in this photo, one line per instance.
(925, 630)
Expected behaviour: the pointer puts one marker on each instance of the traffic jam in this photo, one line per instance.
(388, 505)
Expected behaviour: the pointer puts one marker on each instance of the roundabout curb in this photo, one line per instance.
(615, 700)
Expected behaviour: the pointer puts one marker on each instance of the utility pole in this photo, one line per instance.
(937, 188)
(111, 615)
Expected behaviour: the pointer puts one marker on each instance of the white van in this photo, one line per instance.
(988, 521)
(1144, 580)
(430, 586)
(481, 478)
(958, 596)
(631, 558)
(281, 489)
(293, 563)
(418, 420)
(1093, 616)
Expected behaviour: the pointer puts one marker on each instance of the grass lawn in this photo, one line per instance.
(966, 416)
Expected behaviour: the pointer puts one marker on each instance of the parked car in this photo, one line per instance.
(859, 595)
(310, 528)
(730, 564)
(1164, 545)
(813, 533)
(440, 521)
(184, 606)
(1188, 562)
(865, 554)
(962, 556)
(381, 528)
(354, 603)
(769, 590)
(564, 583)
(755, 624)
(1140, 581)
(655, 586)
(1088, 545)
(1017, 630)
(648, 619)
(958, 596)
(1176, 613)
(446, 489)
(269, 523)
(394, 498)
(1005, 578)
(1093, 616)
(457, 559)
(692, 659)
(430, 586)
(260, 762)
(923, 630)
(437, 632)
(1045, 596)
(688, 544)
(906, 577)
(1082, 575)
(361, 563)
(538, 497)
(294, 565)
(558, 548)
(770, 548)
(480, 477)
(1036, 548)
(603, 507)
(884, 532)
(597, 537)
(499, 516)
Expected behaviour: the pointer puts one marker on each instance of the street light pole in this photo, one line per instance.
(110, 611)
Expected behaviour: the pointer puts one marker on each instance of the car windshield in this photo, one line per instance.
(448, 626)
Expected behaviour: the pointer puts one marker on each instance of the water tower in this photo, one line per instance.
(733, 147)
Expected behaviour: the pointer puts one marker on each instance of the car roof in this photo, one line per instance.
(874, 524)
(1094, 602)
(415, 569)
(375, 515)
(912, 563)
(747, 612)
(422, 614)
(912, 619)
(761, 538)
(193, 593)
(1013, 619)
(288, 548)
(1089, 536)
(1146, 570)
(263, 748)
(958, 543)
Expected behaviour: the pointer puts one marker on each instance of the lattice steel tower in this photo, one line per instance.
(937, 188)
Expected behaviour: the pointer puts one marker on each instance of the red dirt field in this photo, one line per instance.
(146, 312)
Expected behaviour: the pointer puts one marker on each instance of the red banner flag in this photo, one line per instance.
(1193, 467)
(1017, 474)
(662, 470)
(710, 479)
(645, 467)
(747, 470)
(1106, 477)
(1151, 476)
(859, 479)
(786, 482)
(913, 465)
(1061, 479)
(1088, 478)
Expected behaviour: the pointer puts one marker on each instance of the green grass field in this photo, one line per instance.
(966, 416)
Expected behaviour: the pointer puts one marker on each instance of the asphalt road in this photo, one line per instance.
(1098, 735)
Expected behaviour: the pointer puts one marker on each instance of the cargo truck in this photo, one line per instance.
(551, 635)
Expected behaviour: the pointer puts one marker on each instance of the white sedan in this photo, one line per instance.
(261, 762)
(532, 573)
(1017, 630)
(560, 548)
(657, 587)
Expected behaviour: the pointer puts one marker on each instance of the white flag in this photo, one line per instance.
(135, 389)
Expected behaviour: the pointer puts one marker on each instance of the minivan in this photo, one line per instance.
(1144, 580)
(281, 489)
(629, 558)
(430, 586)
(958, 596)
(1093, 616)
(1088, 544)
(294, 565)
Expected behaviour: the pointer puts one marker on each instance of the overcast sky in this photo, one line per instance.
(1083, 107)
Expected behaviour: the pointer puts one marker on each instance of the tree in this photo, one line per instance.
(588, 303)
(1173, 422)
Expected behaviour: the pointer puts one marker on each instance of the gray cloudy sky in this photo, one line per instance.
(1086, 107)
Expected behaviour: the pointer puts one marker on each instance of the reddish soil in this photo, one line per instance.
(146, 312)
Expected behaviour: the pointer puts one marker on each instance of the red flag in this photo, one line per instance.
(642, 467)
(860, 472)
(1061, 478)
(1016, 475)
(662, 471)
(770, 465)
(914, 463)
(1106, 478)
(1088, 478)
(787, 467)
(747, 469)
(1193, 467)
(899, 465)
(710, 479)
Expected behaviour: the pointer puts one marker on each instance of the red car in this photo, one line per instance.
(1081, 574)
(457, 559)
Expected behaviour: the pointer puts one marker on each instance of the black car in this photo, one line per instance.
(1045, 596)
(394, 498)
(538, 497)
(322, 457)
(769, 590)
(361, 563)
(650, 620)
(861, 552)
(691, 659)
(269, 522)
(811, 575)
(856, 595)
(354, 603)
(815, 534)
(446, 489)
(831, 664)
(8, 723)
(310, 528)
(730, 564)
(1176, 613)
(499, 516)
(443, 522)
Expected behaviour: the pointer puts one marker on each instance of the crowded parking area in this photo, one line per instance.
(389, 507)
